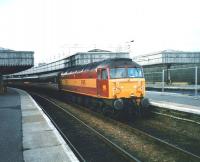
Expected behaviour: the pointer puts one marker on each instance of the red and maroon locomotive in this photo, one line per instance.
(114, 84)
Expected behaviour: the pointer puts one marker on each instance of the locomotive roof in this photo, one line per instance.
(112, 63)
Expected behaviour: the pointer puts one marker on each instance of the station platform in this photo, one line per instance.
(175, 101)
(26, 134)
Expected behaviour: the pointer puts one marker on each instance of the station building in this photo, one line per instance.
(14, 61)
(169, 60)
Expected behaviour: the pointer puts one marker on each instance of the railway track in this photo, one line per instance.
(81, 137)
(164, 143)
(157, 141)
(160, 141)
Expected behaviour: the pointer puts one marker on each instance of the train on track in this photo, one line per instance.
(112, 85)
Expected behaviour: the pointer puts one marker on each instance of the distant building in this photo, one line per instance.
(94, 55)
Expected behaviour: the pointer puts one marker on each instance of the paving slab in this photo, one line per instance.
(39, 139)
(50, 154)
(11, 149)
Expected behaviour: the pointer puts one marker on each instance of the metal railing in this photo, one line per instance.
(185, 78)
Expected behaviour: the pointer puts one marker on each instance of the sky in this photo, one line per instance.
(57, 28)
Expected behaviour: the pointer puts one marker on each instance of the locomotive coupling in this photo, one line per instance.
(118, 104)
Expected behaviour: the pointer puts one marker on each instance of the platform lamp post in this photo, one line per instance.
(129, 46)
(196, 81)
(2, 86)
(163, 80)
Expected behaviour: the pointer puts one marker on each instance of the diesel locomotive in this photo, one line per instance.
(114, 84)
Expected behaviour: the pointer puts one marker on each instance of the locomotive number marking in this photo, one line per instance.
(82, 82)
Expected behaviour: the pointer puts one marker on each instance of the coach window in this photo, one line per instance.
(104, 74)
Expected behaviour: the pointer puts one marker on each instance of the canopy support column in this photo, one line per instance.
(2, 85)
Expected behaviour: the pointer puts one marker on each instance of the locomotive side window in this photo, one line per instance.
(104, 74)
(118, 73)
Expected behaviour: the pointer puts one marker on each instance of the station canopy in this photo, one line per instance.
(15, 61)
(168, 57)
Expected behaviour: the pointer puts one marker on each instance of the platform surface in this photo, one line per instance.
(181, 102)
(26, 134)
(10, 127)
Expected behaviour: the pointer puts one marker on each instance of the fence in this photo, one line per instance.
(175, 78)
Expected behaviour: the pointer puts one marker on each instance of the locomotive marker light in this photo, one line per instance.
(196, 81)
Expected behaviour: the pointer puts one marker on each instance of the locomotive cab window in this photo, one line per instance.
(104, 74)
(126, 73)
(135, 73)
(118, 73)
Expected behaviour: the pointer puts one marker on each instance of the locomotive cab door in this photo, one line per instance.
(102, 82)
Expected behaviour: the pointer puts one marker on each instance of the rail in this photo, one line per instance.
(123, 152)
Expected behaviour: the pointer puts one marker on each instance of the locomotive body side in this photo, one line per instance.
(81, 83)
